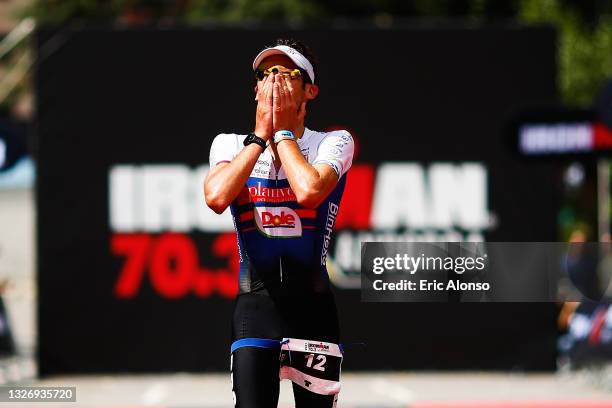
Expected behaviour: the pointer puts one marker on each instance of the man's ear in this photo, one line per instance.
(311, 91)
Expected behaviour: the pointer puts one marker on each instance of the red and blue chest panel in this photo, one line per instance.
(281, 243)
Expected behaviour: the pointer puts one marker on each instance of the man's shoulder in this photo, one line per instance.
(228, 142)
(229, 137)
(341, 134)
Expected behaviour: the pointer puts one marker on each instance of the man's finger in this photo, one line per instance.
(269, 94)
(290, 95)
(276, 97)
(266, 90)
(258, 91)
(261, 86)
(290, 86)
(287, 100)
(281, 88)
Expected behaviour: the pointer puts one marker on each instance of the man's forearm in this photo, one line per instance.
(223, 184)
(304, 179)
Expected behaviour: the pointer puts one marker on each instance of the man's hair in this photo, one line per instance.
(305, 51)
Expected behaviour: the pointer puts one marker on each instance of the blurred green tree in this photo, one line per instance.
(585, 28)
(585, 45)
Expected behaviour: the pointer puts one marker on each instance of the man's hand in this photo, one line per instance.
(264, 113)
(225, 180)
(286, 116)
(310, 183)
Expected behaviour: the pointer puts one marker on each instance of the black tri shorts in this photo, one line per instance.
(255, 370)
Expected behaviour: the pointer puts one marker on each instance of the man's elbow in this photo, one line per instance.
(215, 202)
(216, 206)
(309, 199)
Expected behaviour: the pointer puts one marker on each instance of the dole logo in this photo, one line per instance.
(270, 220)
(278, 222)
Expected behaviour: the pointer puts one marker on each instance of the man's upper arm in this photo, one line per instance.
(336, 152)
(223, 149)
(217, 168)
(328, 176)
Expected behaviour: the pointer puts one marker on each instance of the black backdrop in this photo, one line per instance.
(153, 96)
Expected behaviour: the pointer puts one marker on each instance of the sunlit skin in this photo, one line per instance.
(281, 105)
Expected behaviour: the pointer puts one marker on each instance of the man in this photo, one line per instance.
(283, 183)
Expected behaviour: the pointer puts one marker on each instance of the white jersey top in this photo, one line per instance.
(266, 209)
(334, 148)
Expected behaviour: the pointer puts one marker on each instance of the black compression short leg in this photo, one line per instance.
(255, 381)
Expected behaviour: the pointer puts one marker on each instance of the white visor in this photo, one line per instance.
(297, 58)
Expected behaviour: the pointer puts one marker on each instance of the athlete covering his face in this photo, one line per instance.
(283, 183)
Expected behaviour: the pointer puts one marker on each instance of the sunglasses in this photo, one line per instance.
(260, 74)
